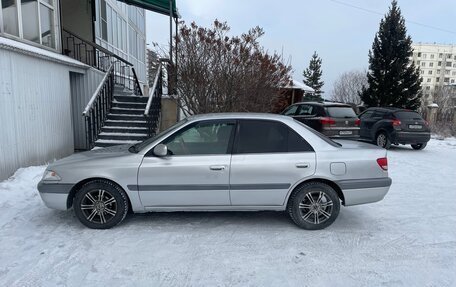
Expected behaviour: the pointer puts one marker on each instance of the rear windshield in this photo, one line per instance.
(320, 135)
(406, 115)
(341, 112)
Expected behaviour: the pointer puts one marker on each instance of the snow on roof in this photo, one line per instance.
(433, 105)
(299, 86)
(39, 52)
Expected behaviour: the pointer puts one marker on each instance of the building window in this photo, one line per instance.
(418, 63)
(422, 72)
(423, 64)
(429, 72)
(431, 64)
(429, 80)
(440, 56)
(454, 65)
(446, 80)
(419, 54)
(447, 72)
(439, 63)
(453, 73)
(448, 64)
(428, 88)
(104, 21)
(449, 56)
(432, 56)
(437, 79)
(452, 81)
(424, 56)
(36, 18)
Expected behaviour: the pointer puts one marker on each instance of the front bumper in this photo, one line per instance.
(55, 195)
(365, 190)
(411, 137)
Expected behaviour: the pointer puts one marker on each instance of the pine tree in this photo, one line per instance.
(393, 80)
(312, 78)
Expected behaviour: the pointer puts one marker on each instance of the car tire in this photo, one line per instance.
(100, 204)
(419, 146)
(313, 206)
(383, 140)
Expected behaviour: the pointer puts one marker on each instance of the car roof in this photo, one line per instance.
(389, 109)
(221, 116)
(325, 104)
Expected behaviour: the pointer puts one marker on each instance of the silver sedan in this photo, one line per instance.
(215, 162)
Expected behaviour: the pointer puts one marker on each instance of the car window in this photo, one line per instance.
(366, 115)
(290, 110)
(305, 110)
(407, 115)
(206, 137)
(341, 112)
(379, 114)
(259, 136)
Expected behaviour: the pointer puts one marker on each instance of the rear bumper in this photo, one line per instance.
(410, 137)
(341, 133)
(365, 190)
(55, 195)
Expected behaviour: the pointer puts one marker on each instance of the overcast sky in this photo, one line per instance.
(341, 31)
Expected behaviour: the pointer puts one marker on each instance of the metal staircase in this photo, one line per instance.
(117, 113)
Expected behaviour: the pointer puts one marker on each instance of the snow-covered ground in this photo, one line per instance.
(408, 239)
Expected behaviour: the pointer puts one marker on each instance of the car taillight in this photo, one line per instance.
(383, 163)
(396, 123)
(327, 121)
(357, 122)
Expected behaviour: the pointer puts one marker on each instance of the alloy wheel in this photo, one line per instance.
(381, 140)
(316, 207)
(99, 206)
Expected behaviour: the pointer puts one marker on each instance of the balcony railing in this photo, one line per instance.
(100, 58)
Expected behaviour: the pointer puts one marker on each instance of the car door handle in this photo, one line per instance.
(302, 165)
(217, 167)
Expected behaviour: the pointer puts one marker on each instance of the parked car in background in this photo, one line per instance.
(387, 126)
(331, 119)
(237, 162)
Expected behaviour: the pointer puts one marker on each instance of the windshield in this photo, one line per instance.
(341, 112)
(322, 136)
(406, 115)
(139, 146)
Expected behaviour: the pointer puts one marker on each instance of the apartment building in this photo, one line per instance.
(437, 63)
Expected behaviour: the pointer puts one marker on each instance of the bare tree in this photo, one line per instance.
(221, 73)
(445, 98)
(348, 86)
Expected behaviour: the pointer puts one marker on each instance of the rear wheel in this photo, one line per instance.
(383, 140)
(313, 206)
(100, 204)
(419, 146)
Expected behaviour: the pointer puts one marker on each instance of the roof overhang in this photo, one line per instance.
(159, 6)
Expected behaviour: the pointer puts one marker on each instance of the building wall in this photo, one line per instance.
(121, 29)
(35, 122)
(437, 66)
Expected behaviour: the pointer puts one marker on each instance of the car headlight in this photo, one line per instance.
(51, 175)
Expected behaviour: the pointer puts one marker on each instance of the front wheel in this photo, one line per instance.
(419, 146)
(314, 205)
(100, 204)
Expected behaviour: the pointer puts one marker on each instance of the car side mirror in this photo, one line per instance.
(160, 150)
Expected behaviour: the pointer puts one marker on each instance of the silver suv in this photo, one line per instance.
(237, 162)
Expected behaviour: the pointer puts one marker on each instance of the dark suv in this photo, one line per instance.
(386, 126)
(331, 119)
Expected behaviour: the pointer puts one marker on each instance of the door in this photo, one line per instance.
(366, 124)
(196, 170)
(268, 158)
(307, 114)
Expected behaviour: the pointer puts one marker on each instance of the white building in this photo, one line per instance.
(437, 63)
(55, 56)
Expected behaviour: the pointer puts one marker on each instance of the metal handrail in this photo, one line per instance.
(97, 91)
(152, 91)
(95, 45)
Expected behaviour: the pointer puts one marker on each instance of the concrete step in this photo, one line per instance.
(106, 143)
(126, 117)
(129, 105)
(120, 129)
(123, 111)
(130, 99)
(123, 123)
(122, 136)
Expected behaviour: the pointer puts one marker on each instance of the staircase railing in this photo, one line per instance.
(100, 58)
(96, 111)
(153, 107)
